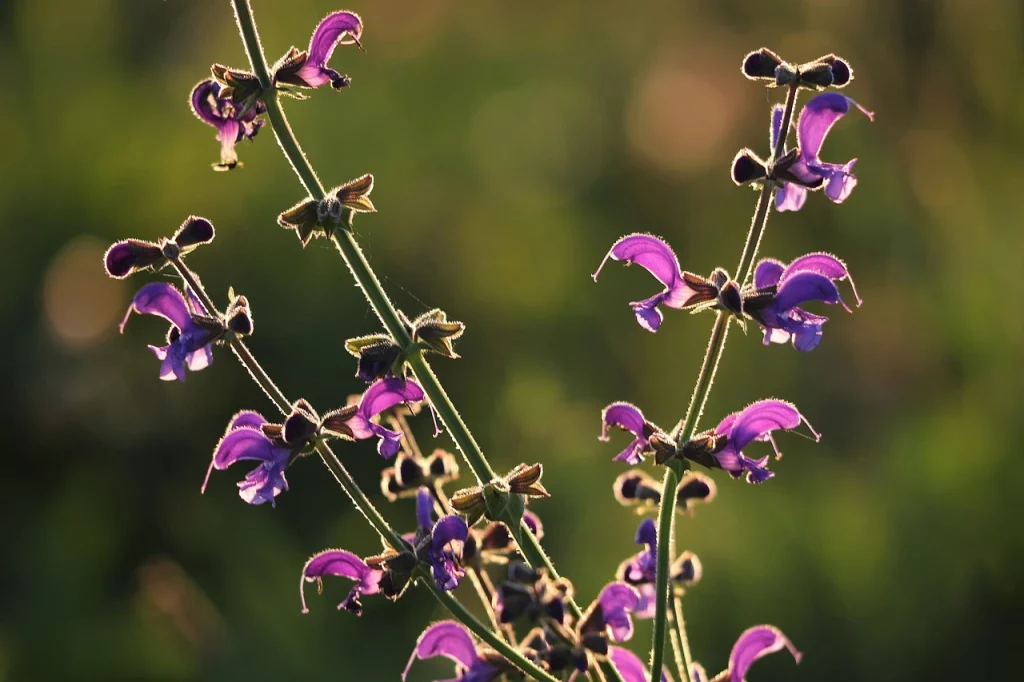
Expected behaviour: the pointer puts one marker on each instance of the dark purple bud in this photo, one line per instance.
(299, 428)
(193, 232)
(634, 487)
(239, 316)
(747, 167)
(442, 465)
(816, 76)
(128, 256)
(514, 601)
(730, 299)
(842, 74)
(761, 64)
(686, 570)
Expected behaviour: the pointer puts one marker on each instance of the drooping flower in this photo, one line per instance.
(682, 289)
(810, 172)
(609, 614)
(630, 666)
(381, 396)
(191, 333)
(640, 570)
(780, 289)
(308, 68)
(648, 438)
(453, 641)
(233, 123)
(440, 544)
(344, 564)
(723, 447)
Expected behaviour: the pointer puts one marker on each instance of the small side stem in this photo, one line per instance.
(677, 650)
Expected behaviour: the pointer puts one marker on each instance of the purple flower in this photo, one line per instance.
(816, 119)
(754, 643)
(452, 640)
(641, 569)
(222, 113)
(188, 342)
(346, 565)
(381, 396)
(630, 666)
(309, 69)
(739, 429)
(629, 418)
(657, 257)
(610, 612)
(442, 542)
(809, 278)
(245, 439)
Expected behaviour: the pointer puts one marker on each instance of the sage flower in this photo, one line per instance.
(440, 544)
(816, 120)
(344, 564)
(630, 666)
(308, 69)
(648, 437)
(363, 424)
(244, 439)
(723, 447)
(655, 256)
(233, 125)
(453, 641)
(780, 289)
(609, 614)
(191, 334)
(753, 644)
(640, 570)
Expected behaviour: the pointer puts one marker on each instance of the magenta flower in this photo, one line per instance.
(232, 124)
(816, 120)
(453, 641)
(780, 290)
(309, 69)
(381, 396)
(630, 666)
(723, 447)
(753, 644)
(654, 255)
(648, 438)
(640, 570)
(440, 544)
(609, 614)
(191, 334)
(244, 439)
(346, 565)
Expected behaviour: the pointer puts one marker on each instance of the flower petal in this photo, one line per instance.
(341, 563)
(773, 133)
(822, 263)
(204, 99)
(339, 28)
(624, 415)
(629, 665)
(805, 286)
(647, 534)
(761, 418)
(448, 530)
(754, 643)
(163, 300)
(657, 257)
(243, 443)
(386, 393)
(447, 638)
(767, 273)
(817, 118)
(424, 508)
(248, 418)
(790, 197)
(617, 601)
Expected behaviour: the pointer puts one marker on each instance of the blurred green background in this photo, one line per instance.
(512, 144)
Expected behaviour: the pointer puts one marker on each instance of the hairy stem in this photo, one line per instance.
(679, 626)
(686, 428)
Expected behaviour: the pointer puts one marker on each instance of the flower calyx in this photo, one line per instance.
(823, 72)
(311, 218)
(433, 331)
(503, 499)
(130, 256)
(241, 87)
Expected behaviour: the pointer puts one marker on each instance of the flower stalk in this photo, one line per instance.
(688, 426)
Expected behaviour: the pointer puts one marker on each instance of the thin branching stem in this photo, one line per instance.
(688, 426)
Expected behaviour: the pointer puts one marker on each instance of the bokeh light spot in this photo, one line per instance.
(80, 302)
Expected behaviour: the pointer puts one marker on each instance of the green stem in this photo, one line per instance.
(489, 638)
(677, 649)
(688, 426)
(680, 630)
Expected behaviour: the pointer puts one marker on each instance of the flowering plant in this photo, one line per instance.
(484, 533)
